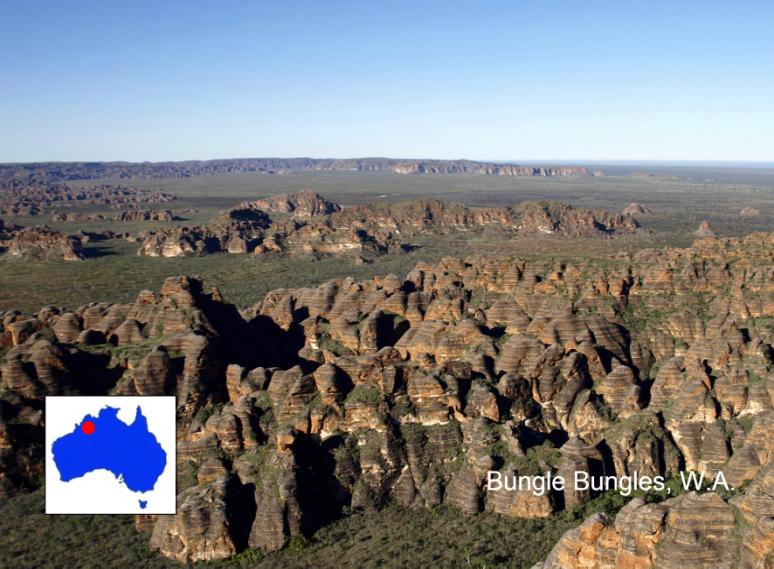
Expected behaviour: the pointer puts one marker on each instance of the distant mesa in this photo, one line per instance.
(636, 208)
(750, 212)
(486, 168)
(59, 171)
(704, 230)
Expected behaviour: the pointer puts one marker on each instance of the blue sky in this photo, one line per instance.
(520, 80)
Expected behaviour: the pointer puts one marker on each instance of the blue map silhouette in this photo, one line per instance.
(130, 452)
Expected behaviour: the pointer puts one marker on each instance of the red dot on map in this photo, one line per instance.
(88, 427)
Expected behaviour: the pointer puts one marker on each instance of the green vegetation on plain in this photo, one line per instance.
(116, 274)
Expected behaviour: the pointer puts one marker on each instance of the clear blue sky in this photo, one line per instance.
(522, 80)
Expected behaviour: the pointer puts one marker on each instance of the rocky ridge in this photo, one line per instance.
(371, 229)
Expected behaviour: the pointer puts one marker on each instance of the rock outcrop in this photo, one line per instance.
(371, 229)
(693, 530)
(305, 203)
(704, 230)
(749, 212)
(353, 394)
(128, 215)
(636, 209)
(40, 243)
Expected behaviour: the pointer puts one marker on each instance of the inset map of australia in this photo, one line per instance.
(130, 452)
(116, 450)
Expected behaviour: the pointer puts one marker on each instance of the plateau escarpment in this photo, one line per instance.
(320, 227)
(53, 171)
(355, 394)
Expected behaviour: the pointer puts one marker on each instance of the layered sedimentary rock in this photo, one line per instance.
(693, 530)
(321, 227)
(356, 394)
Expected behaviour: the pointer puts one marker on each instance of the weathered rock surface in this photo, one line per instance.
(688, 531)
(355, 394)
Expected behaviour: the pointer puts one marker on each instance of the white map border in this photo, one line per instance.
(99, 492)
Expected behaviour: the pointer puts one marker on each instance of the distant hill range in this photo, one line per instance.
(48, 171)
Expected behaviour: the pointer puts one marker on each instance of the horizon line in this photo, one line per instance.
(530, 162)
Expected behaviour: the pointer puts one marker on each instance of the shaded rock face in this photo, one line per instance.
(41, 243)
(305, 203)
(321, 227)
(355, 394)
